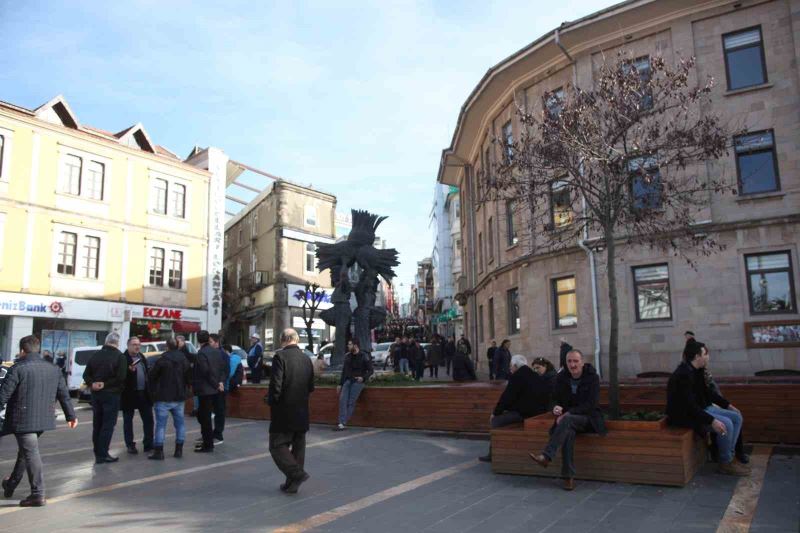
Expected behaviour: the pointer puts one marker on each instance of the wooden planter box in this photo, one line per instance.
(633, 452)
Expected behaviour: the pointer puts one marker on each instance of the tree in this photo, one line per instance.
(312, 297)
(622, 163)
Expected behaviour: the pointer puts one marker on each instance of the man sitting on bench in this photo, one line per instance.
(577, 399)
(692, 403)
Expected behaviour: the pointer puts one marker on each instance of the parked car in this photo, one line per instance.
(74, 367)
(3, 372)
(152, 349)
(381, 355)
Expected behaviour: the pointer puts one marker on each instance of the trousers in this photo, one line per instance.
(347, 400)
(288, 450)
(563, 436)
(28, 460)
(105, 408)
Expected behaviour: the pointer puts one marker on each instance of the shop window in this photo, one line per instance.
(651, 289)
(157, 267)
(756, 163)
(745, 64)
(176, 270)
(512, 301)
(67, 246)
(770, 283)
(565, 302)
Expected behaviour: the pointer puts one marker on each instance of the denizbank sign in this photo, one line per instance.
(34, 305)
(24, 306)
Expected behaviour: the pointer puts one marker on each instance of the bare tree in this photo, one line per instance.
(312, 297)
(622, 163)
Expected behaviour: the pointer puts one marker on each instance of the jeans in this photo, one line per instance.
(162, 410)
(105, 408)
(219, 414)
(28, 460)
(733, 426)
(505, 419)
(563, 436)
(204, 417)
(347, 399)
(291, 463)
(145, 408)
(404, 366)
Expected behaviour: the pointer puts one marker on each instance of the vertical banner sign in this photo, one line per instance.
(217, 166)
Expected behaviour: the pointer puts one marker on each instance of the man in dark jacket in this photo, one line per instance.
(490, 353)
(220, 399)
(564, 349)
(105, 376)
(136, 397)
(208, 379)
(521, 399)
(577, 399)
(691, 402)
(28, 392)
(290, 384)
(463, 369)
(255, 358)
(356, 371)
(502, 360)
(403, 355)
(169, 381)
(449, 353)
(435, 356)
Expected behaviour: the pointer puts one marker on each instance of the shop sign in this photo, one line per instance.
(296, 299)
(160, 312)
(28, 306)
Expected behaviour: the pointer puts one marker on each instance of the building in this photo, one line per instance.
(446, 318)
(741, 301)
(99, 232)
(270, 254)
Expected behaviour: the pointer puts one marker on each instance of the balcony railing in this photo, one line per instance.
(253, 281)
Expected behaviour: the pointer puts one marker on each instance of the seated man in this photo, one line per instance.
(577, 399)
(692, 403)
(527, 394)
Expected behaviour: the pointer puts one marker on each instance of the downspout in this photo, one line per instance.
(473, 274)
(593, 273)
(557, 39)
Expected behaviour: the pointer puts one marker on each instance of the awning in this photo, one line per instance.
(183, 326)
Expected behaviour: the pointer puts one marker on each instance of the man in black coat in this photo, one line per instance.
(527, 394)
(290, 384)
(577, 399)
(356, 372)
(105, 376)
(28, 392)
(463, 369)
(490, 353)
(208, 379)
(136, 397)
(169, 382)
(502, 360)
(449, 353)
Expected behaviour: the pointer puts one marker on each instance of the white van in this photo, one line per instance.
(78, 358)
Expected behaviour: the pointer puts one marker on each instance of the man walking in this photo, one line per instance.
(208, 379)
(356, 371)
(28, 392)
(136, 397)
(105, 376)
(255, 358)
(290, 384)
(169, 380)
(490, 358)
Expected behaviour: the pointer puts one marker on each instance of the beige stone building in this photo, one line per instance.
(269, 256)
(741, 301)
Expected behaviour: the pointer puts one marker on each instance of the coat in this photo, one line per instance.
(290, 385)
(356, 366)
(586, 401)
(502, 363)
(169, 377)
(209, 371)
(28, 392)
(435, 355)
(688, 395)
(463, 370)
(129, 400)
(562, 355)
(450, 350)
(108, 366)
(527, 393)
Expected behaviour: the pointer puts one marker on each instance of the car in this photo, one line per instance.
(380, 353)
(154, 348)
(3, 372)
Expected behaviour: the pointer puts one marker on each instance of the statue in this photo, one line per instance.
(357, 250)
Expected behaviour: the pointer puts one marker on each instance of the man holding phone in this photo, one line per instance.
(105, 376)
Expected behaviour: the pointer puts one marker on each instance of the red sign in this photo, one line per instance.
(160, 312)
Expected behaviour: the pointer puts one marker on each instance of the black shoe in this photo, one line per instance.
(294, 485)
(33, 501)
(158, 454)
(178, 450)
(485, 458)
(284, 485)
(743, 458)
(8, 488)
(132, 449)
(204, 449)
(108, 459)
(148, 449)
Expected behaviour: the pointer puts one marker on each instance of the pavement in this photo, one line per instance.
(372, 480)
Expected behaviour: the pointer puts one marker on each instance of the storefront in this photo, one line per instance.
(320, 331)
(160, 323)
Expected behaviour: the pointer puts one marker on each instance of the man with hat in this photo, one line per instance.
(255, 358)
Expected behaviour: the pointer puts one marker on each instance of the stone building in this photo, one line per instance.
(742, 300)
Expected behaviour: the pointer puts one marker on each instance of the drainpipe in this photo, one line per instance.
(557, 39)
(593, 272)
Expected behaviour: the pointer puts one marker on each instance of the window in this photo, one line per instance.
(90, 259)
(94, 180)
(651, 291)
(254, 259)
(254, 225)
(487, 170)
(67, 246)
(480, 252)
(645, 183)
(72, 175)
(565, 303)
(176, 269)
(554, 102)
(2, 153)
(160, 196)
(756, 163)
(157, 267)
(238, 273)
(311, 258)
(770, 283)
(745, 64)
(491, 318)
(311, 215)
(511, 232)
(642, 67)
(240, 238)
(512, 299)
(560, 204)
(490, 241)
(508, 140)
(178, 197)
(480, 324)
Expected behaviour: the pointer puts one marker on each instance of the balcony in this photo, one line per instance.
(253, 281)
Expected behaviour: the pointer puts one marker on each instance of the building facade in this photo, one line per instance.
(100, 232)
(741, 301)
(446, 316)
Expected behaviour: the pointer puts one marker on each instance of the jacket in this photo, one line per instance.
(255, 356)
(490, 353)
(234, 363)
(587, 399)
(562, 355)
(527, 393)
(464, 346)
(109, 366)
(290, 384)
(435, 355)
(502, 363)
(28, 392)
(463, 370)
(169, 377)
(687, 397)
(129, 398)
(356, 366)
(450, 350)
(209, 371)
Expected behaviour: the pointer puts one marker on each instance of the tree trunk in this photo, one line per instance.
(613, 334)
(308, 333)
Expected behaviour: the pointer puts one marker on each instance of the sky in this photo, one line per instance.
(357, 99)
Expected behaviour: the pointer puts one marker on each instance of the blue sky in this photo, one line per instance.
(356, 98)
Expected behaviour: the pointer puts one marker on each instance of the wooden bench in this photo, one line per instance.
(633, 452)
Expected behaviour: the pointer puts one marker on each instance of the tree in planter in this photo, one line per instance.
(622, 163)
(312, 297)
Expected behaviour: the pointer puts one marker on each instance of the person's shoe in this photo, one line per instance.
(284, 485)
(178, 450)
(294, 485)
(732, 469)
(743, 458)
(107, 459)
(541, 459)
(148, 449)
(340, 427)
(158, 454)
(217, 441)
(33, 501)
(198, 440)
(132, 449)
(8, 488)
(485, 458)
(569, 484)
(204, 449)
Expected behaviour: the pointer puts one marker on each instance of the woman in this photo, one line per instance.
(544, 369)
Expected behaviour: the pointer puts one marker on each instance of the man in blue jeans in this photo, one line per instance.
(169, 380)
(355, 373)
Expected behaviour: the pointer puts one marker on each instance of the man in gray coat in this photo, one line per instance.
(28, 392)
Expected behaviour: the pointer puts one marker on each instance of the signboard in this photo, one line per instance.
(295, 296)
(298, 323)
(17, 304)
(160, 312)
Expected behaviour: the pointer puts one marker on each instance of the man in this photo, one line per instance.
(105, 375)
(220, 397)
(417, 357)
(564, 349)
(255, 358)
(502, 360)
(28, 392)
(356, 371)
(404, 355)
(449, 353)
(394, 355)
(290, 384)
(208, 379)
(184, 348)
(464, 346)
(136, 397)
(169, 381)
(490, 358)
(463, 369)
(688, 336)
(521, 399)
(692, 403)
(577, 410)
(435, 355)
